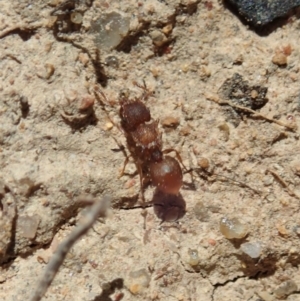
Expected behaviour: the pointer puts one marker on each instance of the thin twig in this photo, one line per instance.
(283, 183)
(21, 26)
(224, 178)
(241, 184)
(57, 259)
(245, 109)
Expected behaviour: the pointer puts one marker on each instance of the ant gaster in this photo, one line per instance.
(144, 141)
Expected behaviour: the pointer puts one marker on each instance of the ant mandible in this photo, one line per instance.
(144, 142)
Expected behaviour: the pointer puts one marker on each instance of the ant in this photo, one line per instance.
(144, 142)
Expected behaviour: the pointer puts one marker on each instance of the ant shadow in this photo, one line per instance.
(168, 207)
(109, 289)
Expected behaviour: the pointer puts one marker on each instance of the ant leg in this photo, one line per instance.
(147, 93)
(100, 96)
(144, 203)
(124, 166)
(140, 171)
(143, 178)
(127, 157)
(169, 150)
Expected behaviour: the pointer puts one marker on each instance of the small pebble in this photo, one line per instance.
(2, 278)
(137, 281)
(297, 230)
(112, 61)
(167, 29)
(27, 225)
(203, 163)
(170, 121)
(76, 18)
(282, 229)
(287, 49)
(158, 38)
(224, 128)
(239, 60)
(233, 228)
(185, 130)
(212, 242)
(193, 257)
(252, 249)
(46, 71)
(204, 73)
(286, 288)
(110, 30)
(254, 94)
(201, 212)
(86, 102)
(83, 58)
(25, 186)
(279, 59)
(265, 296)
(108, 126)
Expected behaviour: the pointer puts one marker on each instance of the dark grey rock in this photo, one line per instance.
(261, 12)
(241, 93)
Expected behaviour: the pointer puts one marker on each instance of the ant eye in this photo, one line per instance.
(166, 175)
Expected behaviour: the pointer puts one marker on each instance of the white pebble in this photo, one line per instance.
(252, 249)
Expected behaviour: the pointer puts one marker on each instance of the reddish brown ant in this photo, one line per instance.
(144, 141)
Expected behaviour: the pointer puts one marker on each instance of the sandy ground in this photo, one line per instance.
(57, 144)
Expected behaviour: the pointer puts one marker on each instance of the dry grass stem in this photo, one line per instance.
(57, 259)
(21, 26)
(248, 110)
(283, 183)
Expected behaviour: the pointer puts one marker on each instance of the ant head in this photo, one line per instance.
(133, 113)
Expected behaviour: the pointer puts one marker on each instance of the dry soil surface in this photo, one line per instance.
(59, 144)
